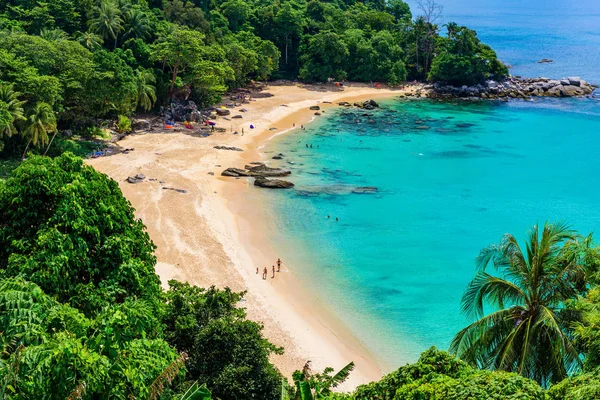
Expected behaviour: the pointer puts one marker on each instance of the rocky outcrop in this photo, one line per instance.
(514, 88)
(259, 170)
(272, 183)
(227, 148)
(315, 108)
(136, 179)
(222, 112)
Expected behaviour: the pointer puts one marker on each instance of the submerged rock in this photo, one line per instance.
(365, 190)
(260, 170)
(272, 183)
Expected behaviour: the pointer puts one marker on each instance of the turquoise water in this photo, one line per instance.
(395, 265)
(524, 32)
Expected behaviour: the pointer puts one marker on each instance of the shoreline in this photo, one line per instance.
(208, 236)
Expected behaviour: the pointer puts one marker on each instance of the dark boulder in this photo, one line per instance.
(272, 183)
(315, 108)
(263, 170)
(223, 112)
(235, 172)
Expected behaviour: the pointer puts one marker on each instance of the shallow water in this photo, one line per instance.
(452, 178)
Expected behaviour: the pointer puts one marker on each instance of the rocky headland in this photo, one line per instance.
(516, 88)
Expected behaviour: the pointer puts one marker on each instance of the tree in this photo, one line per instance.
(527, 331)
(40, 121)
(309, 386)
(90, 40)
(438, 375)
(179, 50)
(146, 92)
(288, 23)
(11, 110)
(69, 229)
(136, 24)
(53, 34)
(107, 21)
(463, 59)
(226, 351)
(324, 57)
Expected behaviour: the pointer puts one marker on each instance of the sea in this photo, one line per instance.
(444, 180)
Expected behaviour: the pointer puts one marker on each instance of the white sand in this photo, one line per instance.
(208, 236)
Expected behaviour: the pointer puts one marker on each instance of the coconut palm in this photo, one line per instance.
(54, 35)
(146, 92)
(136, 24)
(12, 110)
(40, 121)
(527, 330)
(90, 40)
(107, 21)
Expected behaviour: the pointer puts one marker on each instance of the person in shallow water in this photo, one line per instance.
(278, 264)
(273, 272)
(265, 273)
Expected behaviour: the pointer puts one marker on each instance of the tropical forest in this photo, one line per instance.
(83, 314)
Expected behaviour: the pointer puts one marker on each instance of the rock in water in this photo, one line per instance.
(263, 170)
(272, 183)
(365, 190)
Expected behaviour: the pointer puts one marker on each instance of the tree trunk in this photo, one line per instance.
(49, 144)
(417, 50)
(25, 152)
(287, 41)
(173, 77)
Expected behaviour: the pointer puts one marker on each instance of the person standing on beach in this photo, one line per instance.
(278, 264)
(273, 272)
(265, 273)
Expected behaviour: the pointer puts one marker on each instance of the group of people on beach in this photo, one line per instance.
(266, 271)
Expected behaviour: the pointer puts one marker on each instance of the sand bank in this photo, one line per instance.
(211, 234)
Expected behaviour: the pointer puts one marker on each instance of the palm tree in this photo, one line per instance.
(137, 25)
(13, 110)
(309, 386)
(40, 121)
(527, 331)
(54, 35)
(90, 40)
(146, 92)
(107, 21)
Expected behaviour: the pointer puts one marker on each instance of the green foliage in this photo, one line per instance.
(528, 330)
(324, 57)
(439, 376)
(581, 387)
(123, 124)
(463, 59)
(227, 352)
(68, 228)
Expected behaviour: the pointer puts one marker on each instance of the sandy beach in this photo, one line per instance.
(210, 235)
